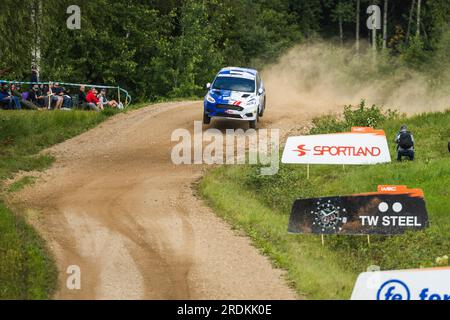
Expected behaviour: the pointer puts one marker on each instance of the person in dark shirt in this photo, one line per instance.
(8, 99)
(67, 99)
(405, 144)
(57, 93)
(36, 96)
(82, 95)
(34, 74)
(57, 89)
(23, 97)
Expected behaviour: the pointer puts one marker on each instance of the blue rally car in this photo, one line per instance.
(236, 93)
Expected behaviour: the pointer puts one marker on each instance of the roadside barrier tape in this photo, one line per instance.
(127, 95)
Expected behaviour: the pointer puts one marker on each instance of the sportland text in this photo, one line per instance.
(235, 146)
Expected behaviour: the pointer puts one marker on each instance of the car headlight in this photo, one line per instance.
(210, 99)
(251, 102)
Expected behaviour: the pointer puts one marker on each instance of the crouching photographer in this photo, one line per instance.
(405, 144)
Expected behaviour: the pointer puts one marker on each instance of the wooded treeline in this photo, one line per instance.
(171, 48)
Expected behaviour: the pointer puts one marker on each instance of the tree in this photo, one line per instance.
(36, 16)
(194, 54)
(17, 38)
(419, 6)
(411, 13)
(385, 23)
(358, 21)
(161, 48)
(307, 15)
(343, 12)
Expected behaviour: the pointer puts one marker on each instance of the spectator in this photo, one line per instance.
(36, 96)
(82, 100)
(104, 100)
(7, 98)
(57, 93)
(34, 74)
(4, 103)
(15, 91)
(405, 144)
(92, 98)
(67, 98)
(47, 93)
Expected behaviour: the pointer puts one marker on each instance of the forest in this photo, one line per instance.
(171, 48)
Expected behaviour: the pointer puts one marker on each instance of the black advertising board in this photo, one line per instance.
(392, 210)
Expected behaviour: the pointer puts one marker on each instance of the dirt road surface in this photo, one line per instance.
(115, 205)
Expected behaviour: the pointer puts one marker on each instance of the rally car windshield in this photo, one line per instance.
(234, 84)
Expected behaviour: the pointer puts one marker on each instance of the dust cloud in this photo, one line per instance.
(319, 78)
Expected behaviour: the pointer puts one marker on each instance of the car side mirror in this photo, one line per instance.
(208, 86)
(260, 91)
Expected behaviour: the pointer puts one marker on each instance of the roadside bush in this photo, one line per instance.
(359, 116)
(415, 55)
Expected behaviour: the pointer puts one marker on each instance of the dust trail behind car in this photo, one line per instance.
(317, 78)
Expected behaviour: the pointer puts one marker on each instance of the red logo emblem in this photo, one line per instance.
(301, 150)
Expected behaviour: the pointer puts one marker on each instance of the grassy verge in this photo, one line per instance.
(261, 205)
(27, 270)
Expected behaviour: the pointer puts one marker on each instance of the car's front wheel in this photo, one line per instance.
(254, 123)
(206, 119)
(263, 108)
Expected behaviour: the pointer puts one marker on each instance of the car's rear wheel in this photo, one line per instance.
(206, 119)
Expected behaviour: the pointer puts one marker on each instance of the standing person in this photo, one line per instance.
(405, 144)
(7, 98)
(34, 75)
(92, 98)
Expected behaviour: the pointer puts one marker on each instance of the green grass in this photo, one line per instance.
(261, 205)
(23, 134)
(27, 270)
(21, 183)
(303, 257)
